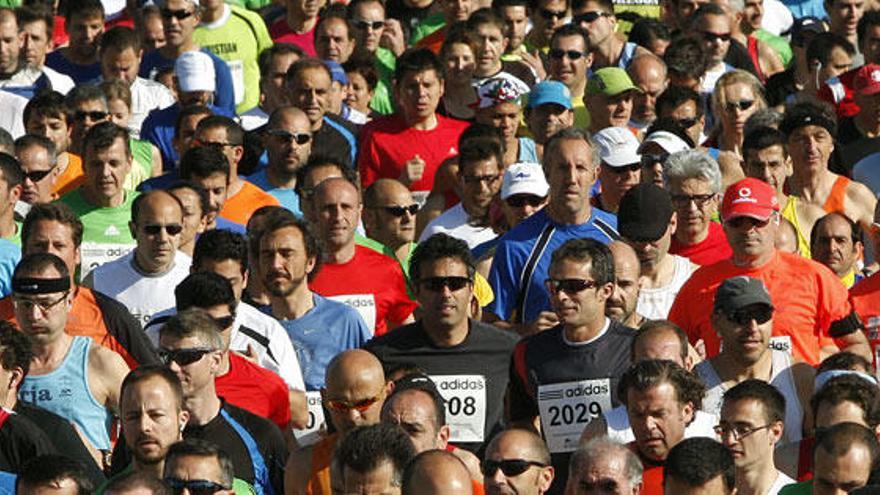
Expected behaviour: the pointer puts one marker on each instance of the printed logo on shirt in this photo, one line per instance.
(465, 399)
(365, 304)
(567, 408)
(781, 343)
(111, 230)
(95, 254)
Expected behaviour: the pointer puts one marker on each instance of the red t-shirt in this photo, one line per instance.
(865, 299)
(808, 297)
(652, 476)
(371, 283)
(838, 91)
(711, 250)
(256, 390)
(387, 143)
(281, 33)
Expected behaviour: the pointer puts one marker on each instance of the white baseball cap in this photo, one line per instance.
(524, 178)
(195, 72)
(666, 140)
(618, 146)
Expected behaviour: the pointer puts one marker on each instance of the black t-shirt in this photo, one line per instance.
(473, 373)
(780, 86)
(20, 441)
(738, 56)
(126, 329)
(337, 138)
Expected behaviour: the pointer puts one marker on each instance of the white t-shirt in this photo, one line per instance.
(782, 480)
(143, 294)
(654, 303)
(60, 82)
(253, 118)
(146, 95)
(252, 327)
(454, 222)
(12, 116)
(777, 18)
(618, 428)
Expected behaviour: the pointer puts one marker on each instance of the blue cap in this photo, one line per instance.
(550, 92)
(336, 72)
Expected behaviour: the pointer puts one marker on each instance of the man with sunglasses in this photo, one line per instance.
(743, 319)
(191, 345)
(686, 107)
(569, 63)
(751, 424)
(288, 141)
(201, 467)
(467, 359)
(517, 461)
(817, 321)
(87, 105)
(609, 48)
(620, 166)
(140, 280)
(68, 375)
(36, 155)
(546, 16)
(390, 218)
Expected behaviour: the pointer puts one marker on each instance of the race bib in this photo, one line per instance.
(465, 399)
(420, 197)
(567, 408)
(236, 67)
(781, 343)
(95, 254)
(872, 327)
(312, 432)
(365, 304)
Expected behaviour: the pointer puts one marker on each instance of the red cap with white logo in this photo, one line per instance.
(749, 197)
(867, 80)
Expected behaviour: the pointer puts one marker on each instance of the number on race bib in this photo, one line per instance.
(567, 408)
(465, 399)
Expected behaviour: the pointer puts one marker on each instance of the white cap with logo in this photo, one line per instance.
(524, 178)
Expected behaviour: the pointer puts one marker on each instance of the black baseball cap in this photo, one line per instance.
(644, 212)
(736, 293)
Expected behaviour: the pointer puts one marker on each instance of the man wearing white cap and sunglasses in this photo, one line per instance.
(620, 166)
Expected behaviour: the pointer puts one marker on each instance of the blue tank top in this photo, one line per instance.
(629, 52)
(65, 392)
(528, 152)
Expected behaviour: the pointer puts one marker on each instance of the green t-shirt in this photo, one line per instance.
(428, 25)
(238, 37)
(239, 487)
(777, 43)
(106, 235)
(141, 163)
(385, 62)
(802, 488)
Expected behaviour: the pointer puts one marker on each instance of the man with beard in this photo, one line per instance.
(621, 306)
(288, 140)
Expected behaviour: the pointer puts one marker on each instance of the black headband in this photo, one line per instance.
(40, 285)
(792, 124)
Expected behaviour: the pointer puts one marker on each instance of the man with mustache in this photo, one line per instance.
(836, 242)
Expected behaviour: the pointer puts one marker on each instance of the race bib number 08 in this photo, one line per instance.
(312, 431)
(567, 408)
(465, 398)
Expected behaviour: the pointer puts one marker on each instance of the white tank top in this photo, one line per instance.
(654, 303)
(617, 423)
(780, 377)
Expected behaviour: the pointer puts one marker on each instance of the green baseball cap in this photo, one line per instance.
(610, 81)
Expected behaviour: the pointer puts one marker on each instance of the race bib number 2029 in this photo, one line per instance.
(567, 408)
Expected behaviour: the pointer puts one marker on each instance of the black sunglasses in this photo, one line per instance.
(172, 229)
(436, 284)
(572, 54)
(552, 14)
(510, 467)
(177, 14)
(94, 116)
(688, 123)
(183, 357)
(742, 105)
(649, 159)
(361, 24)
(743, 317)
(195, 487)
(588, 17)
(569, 285)
(38, 175)
(399, 211)
(299, 137)
(520, 200)
(711, 37)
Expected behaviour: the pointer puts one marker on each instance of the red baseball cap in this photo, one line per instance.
(867, 80)
(749, 197)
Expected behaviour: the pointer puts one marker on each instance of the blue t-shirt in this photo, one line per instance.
(326, 330)
(7, 483)
(10, 255)
(522, 261)
(287, 197)
(224, 94)
(158, 128)
(81, 74)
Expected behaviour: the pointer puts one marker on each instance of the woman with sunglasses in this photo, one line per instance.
(738, 94)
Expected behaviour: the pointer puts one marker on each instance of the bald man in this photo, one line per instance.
(437, 472)
(505, 474)
(288, 143)
(356, 389)
(351, 273)
(621, 306)
(390, 217)
(648, 73)
(143, 279)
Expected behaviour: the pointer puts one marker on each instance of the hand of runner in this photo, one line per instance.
(533, 60)
(412, 171)
(392, 37)
(545, 321)
(250, 354)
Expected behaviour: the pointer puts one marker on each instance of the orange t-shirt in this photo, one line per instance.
(249, 199)
(865, 300)
(808, 297)
(72, 177)
(322, 456)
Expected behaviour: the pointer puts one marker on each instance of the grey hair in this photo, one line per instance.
(603, 446)
(765, 117)
(573, 134)
(692, 164)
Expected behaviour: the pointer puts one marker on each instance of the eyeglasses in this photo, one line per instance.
(224, 322)
(649, 159)
(510, 467)
(171, 229)
(742, 105)
(94, 115)
(300, 137)
(183, 357)
(559, 54)
(177, 14)
(569, 285)
(711, 37)
(520, 200)
(684, 200)
(195, 487)
(343, 406)
(552, 14)
(399, 211)
(44, 306)
(588, 17)
(436, 284)
(38, 175)
(739, 431)
(479, 179)
(743, 317)
(362, 24)
(632, 167)
(688, 123)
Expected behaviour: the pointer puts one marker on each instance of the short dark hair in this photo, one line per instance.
(221, 245)
(849, 388)
(855, 232)
(145, 372)
(417, 60)
(266, 56)
(48, 104)
(419, 382)
(671, 126)
(440, 246)
(814, 112)
(6, 141)
(136, 479)
(500, 4)
(763, 138)
(203, 161)
(869, 19)
(820, 47)
(686, 56)
(843, 360)
(51, 212)
(204, 200)
(674, 96)
(584, 250)
(706, 9)
(45, 469)
(656, 326)
(485, 16)
(204, 290)
(234, 131)
(28, 14)
(645, 30)
(758, 390)
(310, 241)
(650, 373)
(37, 262)
(84, 93)
(318, 161)
(15, 348)
(839, 439)
(304, 64)
(202, 448)
(104, 135)
(82, 7)
(364, 66)
(479, 149)
(366, 447)
(11, 170)
(187, 112)
(572, 30)
(696, 461)
(120, 38)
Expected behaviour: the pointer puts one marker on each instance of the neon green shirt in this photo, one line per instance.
(106, 235)
(385, 63)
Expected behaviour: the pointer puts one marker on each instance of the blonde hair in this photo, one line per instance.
(737, 76)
